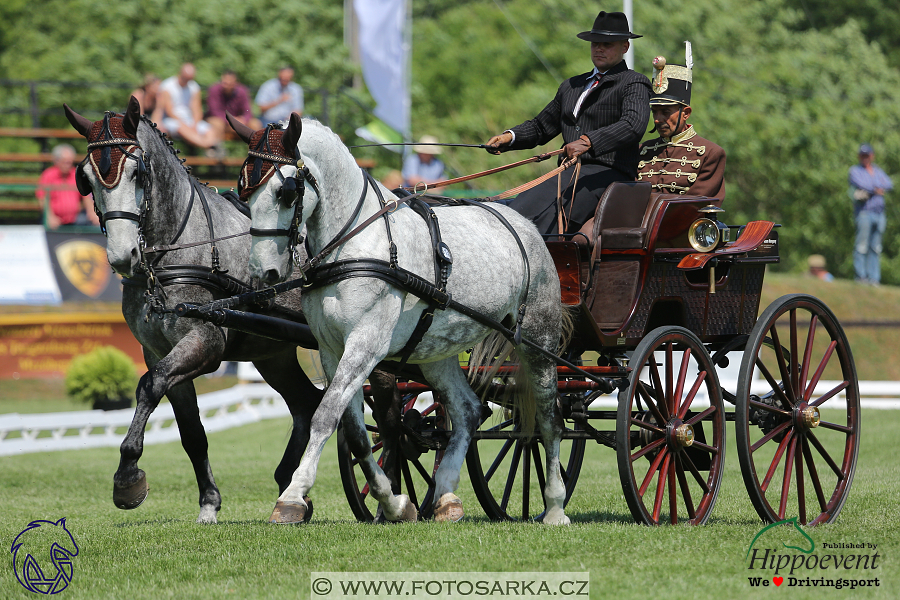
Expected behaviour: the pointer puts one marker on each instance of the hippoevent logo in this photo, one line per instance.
(42, 556)
(783, 554)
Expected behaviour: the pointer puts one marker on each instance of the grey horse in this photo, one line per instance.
(161, 227)
(303, 174)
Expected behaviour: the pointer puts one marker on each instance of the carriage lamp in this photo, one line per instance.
(708, 233)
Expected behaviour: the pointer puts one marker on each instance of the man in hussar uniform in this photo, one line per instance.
(679, 161)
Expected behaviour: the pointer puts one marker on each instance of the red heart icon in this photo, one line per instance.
(778, 580)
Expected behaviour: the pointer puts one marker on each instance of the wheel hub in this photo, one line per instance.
(679, 434)
(684, 435)
(807, 416)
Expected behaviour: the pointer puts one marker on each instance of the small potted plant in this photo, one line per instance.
(106, 377)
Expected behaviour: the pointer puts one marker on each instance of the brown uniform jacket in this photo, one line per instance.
(685, 164)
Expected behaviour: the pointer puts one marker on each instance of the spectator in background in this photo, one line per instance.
(229, 96)
(58, 192)
(423, 166)
(146, 94)
(392, 180)
(179, 110)
(868, 184)
(277, 98)
(817, 267)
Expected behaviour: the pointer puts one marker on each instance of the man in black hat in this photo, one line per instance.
(601, 115)
(679, 161)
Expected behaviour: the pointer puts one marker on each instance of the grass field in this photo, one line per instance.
(158, 551)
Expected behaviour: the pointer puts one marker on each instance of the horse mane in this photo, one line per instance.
(323, 136)
(167, 142)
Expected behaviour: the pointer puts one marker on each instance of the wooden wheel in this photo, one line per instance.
(414, 452)
(507, 470)
(670, 449)
(797, 414)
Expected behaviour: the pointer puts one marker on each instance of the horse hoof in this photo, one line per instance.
(207, 515)
(410, 514)
(131, 496)
(555, 517)
(286, 513)
(449, 508)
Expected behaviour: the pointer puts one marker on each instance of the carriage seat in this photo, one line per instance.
(621, 219)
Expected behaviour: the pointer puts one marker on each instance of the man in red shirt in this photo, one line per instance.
(229, 96)
(66, 205)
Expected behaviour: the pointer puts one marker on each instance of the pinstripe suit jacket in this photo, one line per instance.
(614, 116)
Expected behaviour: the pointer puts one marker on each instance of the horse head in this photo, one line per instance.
(118, 184)
(281, 192)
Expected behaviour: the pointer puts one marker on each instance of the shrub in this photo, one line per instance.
(105, 374)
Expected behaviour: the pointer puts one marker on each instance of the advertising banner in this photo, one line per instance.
(35, 345)
(81, 268)
(25, 271)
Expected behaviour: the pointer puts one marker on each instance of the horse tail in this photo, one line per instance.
(567, 329)
(485, 361)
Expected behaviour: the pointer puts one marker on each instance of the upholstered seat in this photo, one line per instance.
(620, 221)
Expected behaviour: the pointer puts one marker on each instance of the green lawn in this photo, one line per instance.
(158, 551)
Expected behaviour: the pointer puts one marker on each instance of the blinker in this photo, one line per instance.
(287, 195)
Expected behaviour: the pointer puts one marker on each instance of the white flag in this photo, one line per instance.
(383, 54)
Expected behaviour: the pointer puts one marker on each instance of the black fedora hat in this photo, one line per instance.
(608, 27)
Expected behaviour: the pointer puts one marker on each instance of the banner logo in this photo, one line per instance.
(85, 266)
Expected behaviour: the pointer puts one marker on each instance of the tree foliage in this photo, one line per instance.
(789, 88)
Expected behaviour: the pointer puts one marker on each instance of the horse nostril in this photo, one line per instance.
(271, 277)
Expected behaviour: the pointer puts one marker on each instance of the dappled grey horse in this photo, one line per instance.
(491, 261)
(175, 240)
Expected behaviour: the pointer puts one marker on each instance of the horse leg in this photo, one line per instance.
(193, 439)
(386, 411)
(284, 374)
(541, 374)
(347, 376)
(391, 507)
(129, 481)
(464, 409)
(194, 355)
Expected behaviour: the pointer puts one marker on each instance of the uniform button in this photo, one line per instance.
(577, 128)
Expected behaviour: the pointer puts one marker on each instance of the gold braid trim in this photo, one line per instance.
(692, 177)
(683, 161)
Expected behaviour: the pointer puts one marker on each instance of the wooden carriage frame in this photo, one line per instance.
(658, 318)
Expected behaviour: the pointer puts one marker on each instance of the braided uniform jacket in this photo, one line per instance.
(686, 163)
(614, 116)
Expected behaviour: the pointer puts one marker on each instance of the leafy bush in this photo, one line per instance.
(104, 374)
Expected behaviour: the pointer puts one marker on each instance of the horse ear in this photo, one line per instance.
(132, 117)
(81, 124)
(292, 133)
(242, 130)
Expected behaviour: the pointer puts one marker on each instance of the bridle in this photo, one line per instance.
(105, 142)
(291, 192)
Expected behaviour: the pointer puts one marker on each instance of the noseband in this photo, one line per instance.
(106, 141)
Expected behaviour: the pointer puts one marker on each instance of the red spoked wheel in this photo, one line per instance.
(670, 444)
(797, 415)
(419, 445)
(507, 468)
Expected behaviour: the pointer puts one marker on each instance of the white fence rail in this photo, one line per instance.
(249, 403)
(240, 405)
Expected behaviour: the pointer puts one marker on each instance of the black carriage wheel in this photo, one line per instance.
(415, 466)
(508, 471)
(797, 414)
(670, 452)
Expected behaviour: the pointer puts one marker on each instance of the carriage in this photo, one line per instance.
(662, 301)
(679, 303)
